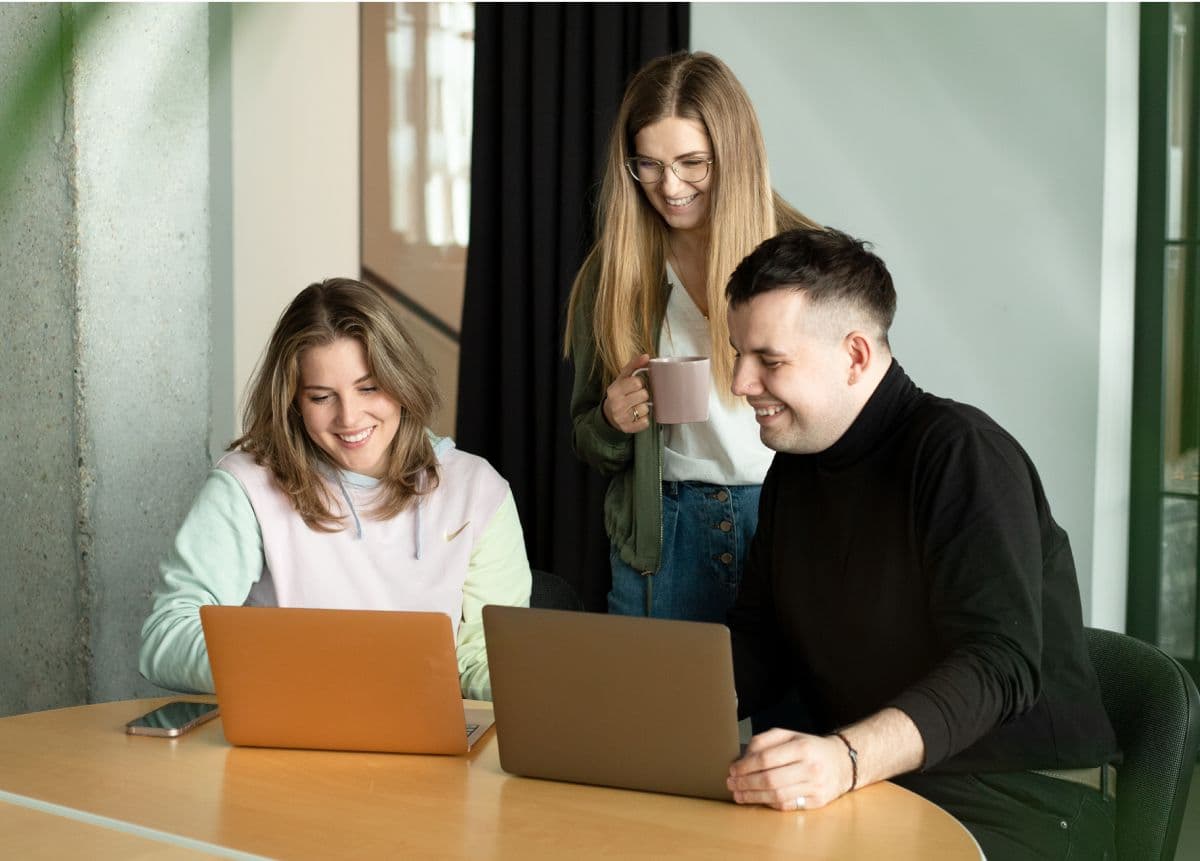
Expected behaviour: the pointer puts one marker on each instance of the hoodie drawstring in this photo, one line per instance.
(441, 446)
(417, 527)
(417, 519)
(349, 504)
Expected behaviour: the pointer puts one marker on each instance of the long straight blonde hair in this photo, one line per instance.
(273, 430)
(629, 258)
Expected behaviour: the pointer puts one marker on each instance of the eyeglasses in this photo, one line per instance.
(692, 168)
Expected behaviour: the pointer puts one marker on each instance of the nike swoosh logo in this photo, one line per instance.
(450, 536)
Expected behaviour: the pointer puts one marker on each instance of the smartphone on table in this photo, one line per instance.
(172, 719)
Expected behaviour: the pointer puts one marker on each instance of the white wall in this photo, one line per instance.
(1110, 556)
(968, 143)
(294, 168)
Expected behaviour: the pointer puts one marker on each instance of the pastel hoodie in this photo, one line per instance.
(452, 551)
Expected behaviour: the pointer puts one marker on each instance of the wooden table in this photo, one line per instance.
(72, 778)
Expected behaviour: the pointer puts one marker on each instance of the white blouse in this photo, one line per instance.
(726, 449)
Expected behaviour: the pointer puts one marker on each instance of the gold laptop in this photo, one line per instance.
(613, 700)
(364, 680)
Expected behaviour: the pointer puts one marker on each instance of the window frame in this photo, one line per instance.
(1148, 451)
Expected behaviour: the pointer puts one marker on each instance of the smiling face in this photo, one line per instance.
(682, 205)
(344, 411)
(796, 371)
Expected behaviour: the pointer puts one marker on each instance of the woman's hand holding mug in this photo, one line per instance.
(627, 400)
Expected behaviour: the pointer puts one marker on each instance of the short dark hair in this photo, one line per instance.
(828, 265)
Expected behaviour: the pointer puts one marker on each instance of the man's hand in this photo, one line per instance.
(794, 771)
(791, 771)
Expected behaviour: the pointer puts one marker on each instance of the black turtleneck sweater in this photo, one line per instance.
(915, 564)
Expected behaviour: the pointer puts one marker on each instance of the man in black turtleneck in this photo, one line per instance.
(907, 578)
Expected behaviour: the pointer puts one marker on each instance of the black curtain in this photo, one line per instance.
(548, 82)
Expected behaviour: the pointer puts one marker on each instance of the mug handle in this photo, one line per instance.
(647, 372)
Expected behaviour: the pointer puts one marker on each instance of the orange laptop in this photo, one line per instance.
(367, 680)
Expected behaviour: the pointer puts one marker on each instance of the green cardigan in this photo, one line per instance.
(633, 501)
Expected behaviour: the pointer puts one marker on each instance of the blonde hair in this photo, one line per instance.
(273, 430)
(629, 257)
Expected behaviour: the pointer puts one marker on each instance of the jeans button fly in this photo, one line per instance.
(725, 526)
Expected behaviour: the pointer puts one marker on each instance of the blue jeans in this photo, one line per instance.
(706, 532)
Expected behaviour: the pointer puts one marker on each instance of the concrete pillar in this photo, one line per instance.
(42, 636)
(105, 284)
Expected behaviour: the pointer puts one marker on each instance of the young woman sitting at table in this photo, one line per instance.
(337, 495)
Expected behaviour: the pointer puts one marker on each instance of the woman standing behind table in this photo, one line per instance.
(686, 195)
(338, 496)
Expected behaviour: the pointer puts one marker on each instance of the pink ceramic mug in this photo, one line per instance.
(679, 387)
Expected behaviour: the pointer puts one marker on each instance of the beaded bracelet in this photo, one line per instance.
(853, 761)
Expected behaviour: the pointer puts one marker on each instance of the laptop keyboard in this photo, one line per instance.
(471, 727)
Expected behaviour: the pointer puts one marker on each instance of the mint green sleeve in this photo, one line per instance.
(217, 556)
(498, 573)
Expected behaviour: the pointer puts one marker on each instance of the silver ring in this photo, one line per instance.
(801, 802)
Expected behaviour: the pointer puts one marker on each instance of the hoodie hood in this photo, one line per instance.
(345, 479)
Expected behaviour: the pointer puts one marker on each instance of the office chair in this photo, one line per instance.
(552, 592)
(1154, 708)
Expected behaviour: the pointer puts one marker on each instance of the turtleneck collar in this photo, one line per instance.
(892, 399)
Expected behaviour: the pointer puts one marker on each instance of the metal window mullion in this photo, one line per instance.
(1191, 286)
(1146, 450)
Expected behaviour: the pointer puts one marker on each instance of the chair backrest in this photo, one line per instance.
(1154, 709)
(551, 592)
